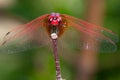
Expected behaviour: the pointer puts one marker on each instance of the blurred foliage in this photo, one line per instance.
(38, 64)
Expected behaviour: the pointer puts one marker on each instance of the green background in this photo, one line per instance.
(22, 66)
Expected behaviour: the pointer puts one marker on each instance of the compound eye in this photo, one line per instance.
(57, 14)
(51, 19)
(53, 14)
(59, 18)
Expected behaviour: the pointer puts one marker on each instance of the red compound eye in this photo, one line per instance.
(50, 18)
(59, 18)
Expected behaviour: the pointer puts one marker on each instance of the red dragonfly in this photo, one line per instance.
(56, 25)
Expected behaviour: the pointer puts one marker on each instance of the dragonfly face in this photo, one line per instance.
(55, 19)
(56, 25)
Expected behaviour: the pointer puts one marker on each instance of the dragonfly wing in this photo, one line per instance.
(21, 38)
(105, 37)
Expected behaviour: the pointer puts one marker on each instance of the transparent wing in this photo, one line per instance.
(105, 37)
(22, 38)
(68, 42)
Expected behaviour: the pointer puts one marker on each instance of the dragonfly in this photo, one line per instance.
(50, 28)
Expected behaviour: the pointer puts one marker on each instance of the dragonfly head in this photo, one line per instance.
(54, 19)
